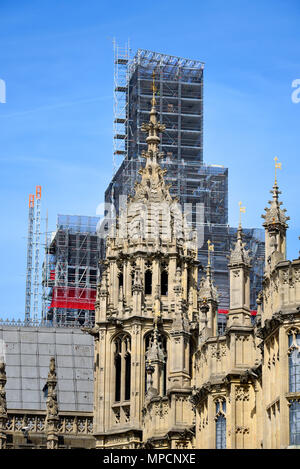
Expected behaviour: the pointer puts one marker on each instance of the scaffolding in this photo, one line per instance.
(32, 288)
(207, 185)
(179, 84)
(28, 291)
(120, 93)
(37, 236)
(70, 272)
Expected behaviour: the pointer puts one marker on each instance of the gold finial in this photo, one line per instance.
(210, 248)
(277, 166)
(156, 311)
(154, 89)
(242, 210)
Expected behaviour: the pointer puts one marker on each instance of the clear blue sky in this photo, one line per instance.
(56, 125)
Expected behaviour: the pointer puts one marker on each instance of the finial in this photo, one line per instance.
(242, 210)
(157, 314)
(211, 247)
(277, 166)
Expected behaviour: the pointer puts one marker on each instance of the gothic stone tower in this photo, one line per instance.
(279, 329)
(146, 317)
(226, 390)
(246, 391)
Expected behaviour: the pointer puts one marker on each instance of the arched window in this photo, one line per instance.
(294, 385)
(148, 282)
(294, 361)
(220, 420)
(122, 362)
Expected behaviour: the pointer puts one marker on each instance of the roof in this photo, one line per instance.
(27, 352)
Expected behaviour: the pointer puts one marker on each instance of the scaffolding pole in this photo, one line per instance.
(37, 235)
(120, 106)
(45, 273)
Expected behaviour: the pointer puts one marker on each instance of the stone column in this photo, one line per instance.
(3, 407)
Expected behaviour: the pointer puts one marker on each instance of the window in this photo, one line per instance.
(127, 375)
(121, 280)
(164, 282)
(220, 424)
(295, 423)
(294, 384)
(118, 370)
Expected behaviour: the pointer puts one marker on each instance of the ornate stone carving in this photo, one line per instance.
(52, 408)
(3, 407)
(242, 393)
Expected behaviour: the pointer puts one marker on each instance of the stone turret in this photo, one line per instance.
(151, 266)
(275, 230)
(208, 302)
(239, 272)
(155, 360)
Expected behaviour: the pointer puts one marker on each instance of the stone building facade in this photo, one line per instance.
(32, 406)
(164, 377)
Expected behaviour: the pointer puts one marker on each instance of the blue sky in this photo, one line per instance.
(56, 125)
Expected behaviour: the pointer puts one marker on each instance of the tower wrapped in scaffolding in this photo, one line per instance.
(33, 257)
(70, 270)
(37, 240)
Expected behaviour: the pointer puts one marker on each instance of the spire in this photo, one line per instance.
(275, 225)
(155, 360)
(275, 217)
(152, 186)
(240, 255)
(207, 290)
(155, 353)
(208, 300)
(153, 127)
(239, 274)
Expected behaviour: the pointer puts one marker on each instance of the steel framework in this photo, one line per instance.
(120, 91)
(37, 238)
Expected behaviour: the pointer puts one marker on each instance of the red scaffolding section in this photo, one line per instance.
(73, 298)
